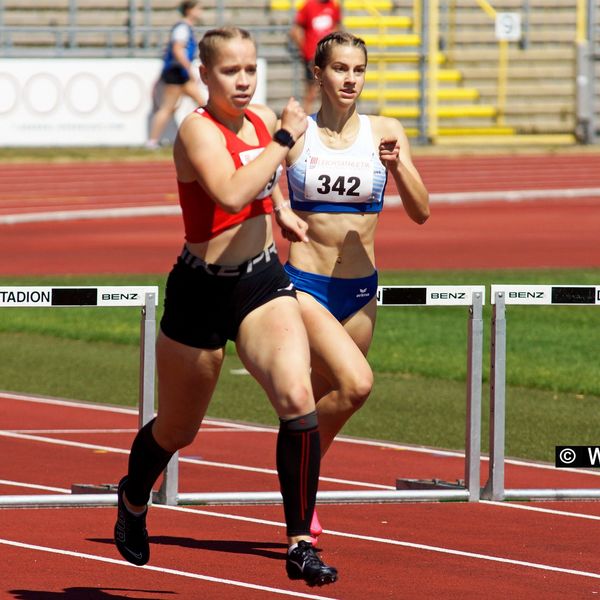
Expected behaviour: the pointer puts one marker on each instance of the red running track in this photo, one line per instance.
(399, 551)
(431, 550)
(469, 235)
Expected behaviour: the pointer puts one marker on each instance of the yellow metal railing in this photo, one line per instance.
(426, 22)
(381, 66)
(417, 16)
(430, 72)
(383, 24)
(432, 69)
(581, 33)
(502, 77)
(501, 91)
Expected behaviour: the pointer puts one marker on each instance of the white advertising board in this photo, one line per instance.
(84, 102)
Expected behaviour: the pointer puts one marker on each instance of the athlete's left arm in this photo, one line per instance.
(394, 153)
(293, 228)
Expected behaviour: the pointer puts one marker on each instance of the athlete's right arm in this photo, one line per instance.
(201, 145)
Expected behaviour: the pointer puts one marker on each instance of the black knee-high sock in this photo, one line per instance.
(298, 465)
(147, 461)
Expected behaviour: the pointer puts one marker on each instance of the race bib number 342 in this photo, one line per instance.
(339, 179)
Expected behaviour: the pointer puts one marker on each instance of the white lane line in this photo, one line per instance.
(34, 486)
(514, 195)
(164, 570)
(68, 403)
(391, 200)
(109, 431)
(99, 213)
(548, 511)
(195, 461)
(538, 509)
(67, 431)
(61, 442)
(404, 544)
(258, 428)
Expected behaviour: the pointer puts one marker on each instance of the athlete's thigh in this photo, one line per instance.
(273, 345)
(334, 352)
(187, 378)
(171, 95)
(360, 326)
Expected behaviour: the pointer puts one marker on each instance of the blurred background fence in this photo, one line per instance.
(453, 71)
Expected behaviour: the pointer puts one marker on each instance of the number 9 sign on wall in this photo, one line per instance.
(508, 26)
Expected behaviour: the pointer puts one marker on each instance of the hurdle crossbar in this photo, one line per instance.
(533, 295)
(145, 297)
(109, 498)
(472, 297)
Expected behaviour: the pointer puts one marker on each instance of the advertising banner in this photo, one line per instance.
(85, 102)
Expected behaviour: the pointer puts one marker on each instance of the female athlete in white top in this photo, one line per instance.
(337, 173)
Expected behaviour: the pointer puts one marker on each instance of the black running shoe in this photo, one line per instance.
(131, 536)
(303, 562)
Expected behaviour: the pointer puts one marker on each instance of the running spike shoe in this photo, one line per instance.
(303, 562)
(131, 535)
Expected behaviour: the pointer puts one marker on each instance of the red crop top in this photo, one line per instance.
(203, 219)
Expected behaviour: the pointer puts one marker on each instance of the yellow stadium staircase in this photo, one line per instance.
(393, 86)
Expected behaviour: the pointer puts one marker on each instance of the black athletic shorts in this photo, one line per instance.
(175, 75)
(205, 303)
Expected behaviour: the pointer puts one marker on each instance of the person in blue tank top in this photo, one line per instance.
(177, 77)
(337, 173)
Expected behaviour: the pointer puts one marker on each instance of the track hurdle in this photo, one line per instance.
(533, 295)
(145, 297)
(472, 297)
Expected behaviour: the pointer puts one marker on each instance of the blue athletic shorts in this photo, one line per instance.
(341, 297)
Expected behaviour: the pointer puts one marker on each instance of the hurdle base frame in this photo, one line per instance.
(473, 297)
(549, 494)
(104, 494)
(147, 376)
(429, 484)
(534, 295)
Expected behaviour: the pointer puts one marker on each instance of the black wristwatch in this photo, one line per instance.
(284, 138)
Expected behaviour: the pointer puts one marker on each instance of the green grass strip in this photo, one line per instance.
(418, 355)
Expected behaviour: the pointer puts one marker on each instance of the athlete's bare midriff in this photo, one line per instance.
(341, 244)
(236, 244)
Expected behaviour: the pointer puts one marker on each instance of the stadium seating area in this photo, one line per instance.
(541, 67)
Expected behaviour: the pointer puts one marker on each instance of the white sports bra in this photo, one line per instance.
(350, 180)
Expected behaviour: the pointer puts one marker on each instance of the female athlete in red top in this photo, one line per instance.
(204, 219)
(227, 284)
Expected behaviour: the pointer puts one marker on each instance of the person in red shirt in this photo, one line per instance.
(228, 284)
(314, 20)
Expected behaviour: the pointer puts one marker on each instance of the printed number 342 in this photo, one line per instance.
(341, 186)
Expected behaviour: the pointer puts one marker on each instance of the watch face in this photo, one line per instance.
(284, 138)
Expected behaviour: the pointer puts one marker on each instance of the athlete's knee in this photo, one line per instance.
(297, 400)
(174, 438)
(357, 386)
